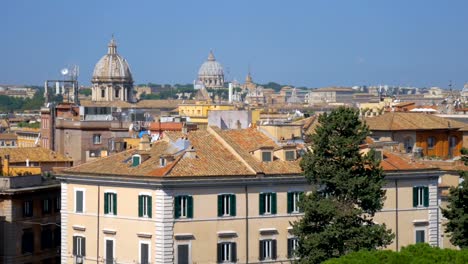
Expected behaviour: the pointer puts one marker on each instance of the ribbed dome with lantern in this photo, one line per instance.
(112, 79)
(211, 73)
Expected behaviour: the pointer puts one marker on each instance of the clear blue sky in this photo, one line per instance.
(311, 43)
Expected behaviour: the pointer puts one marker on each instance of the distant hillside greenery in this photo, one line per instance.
(9, 104)
(419, 253)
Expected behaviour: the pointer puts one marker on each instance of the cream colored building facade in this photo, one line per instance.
(216, 196)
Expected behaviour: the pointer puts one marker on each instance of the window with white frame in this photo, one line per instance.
(144, 253)
(227, 252)
(183, 206)
(420, 196)
(293, 245)
(109, 247)
(27, 208)
(183, 254)
(293, 202)
(79, 246)
(144, 206)
(110, 203)
(79, 201)
(267, 249)
(420, 236)
(267, 203)
(226, 205)
(96, 138)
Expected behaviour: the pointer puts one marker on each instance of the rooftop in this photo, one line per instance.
(411, 121)
(33, 154)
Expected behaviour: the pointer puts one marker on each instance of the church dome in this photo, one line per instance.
(112, 67)
(211, 67)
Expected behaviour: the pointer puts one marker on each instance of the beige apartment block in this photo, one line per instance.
(216, 196)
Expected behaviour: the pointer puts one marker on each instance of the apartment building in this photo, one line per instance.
(215, 196)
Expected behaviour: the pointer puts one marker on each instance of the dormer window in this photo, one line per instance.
(162, 161)
(290, 155)
(136, 160)
(266, 156)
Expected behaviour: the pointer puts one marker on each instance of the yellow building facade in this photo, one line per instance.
(198, 112)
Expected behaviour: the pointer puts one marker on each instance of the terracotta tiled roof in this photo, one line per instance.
(410, 121)
(8, 136)
(34, 154)
(397, 162)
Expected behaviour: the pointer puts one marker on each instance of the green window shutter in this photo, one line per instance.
(220, 205)
(233, 204)
(273, 203)
(273, 249)
(262, 203)
(140, 205)
(219, 250)
(260, 250)
(106, 203)
(290, 202)
(177, 207)
(426, 196)
(150, 206)
(190, 207)
(114, 195)
(415, 196)
(233, 252)
(301, 198)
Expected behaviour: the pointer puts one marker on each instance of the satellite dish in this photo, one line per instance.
(64, 71)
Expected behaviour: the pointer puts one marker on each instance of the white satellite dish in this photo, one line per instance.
(64, 71)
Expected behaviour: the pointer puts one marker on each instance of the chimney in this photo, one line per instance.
(184, 128)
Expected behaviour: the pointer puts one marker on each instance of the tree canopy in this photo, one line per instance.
(418, 253)
(347, 191)
(457, 210)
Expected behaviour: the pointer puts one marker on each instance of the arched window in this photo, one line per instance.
(117, 92)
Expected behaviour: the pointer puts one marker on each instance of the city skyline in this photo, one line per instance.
(317, 44)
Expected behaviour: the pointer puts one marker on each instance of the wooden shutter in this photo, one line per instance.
(150, 206)
(415, 196)
(233, 252)
(273, 203)
(273, 249)
(220, 251)
(177, 207)
(144, 253)
(260, 251)
(75, 244)
(220, 205)
(106, 203)
(140, 205)
(426, 196)
(83, 246)
(232, 202)
(262, 203)
(114, 196)
(290, 248)
(190, 207)
(290, 202)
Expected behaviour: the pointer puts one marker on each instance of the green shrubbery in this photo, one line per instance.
(414, 254)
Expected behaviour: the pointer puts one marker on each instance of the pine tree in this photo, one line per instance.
(457, 210)
(347, 191)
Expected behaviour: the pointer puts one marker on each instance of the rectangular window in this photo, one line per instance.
(46, 206)
(431, 141)
(58, 203)
(421, 196)
(267, 249)
(57, 236)
(96, 138)
(293, 202)
(267, 203)
(144, 206)
(27, 241)
(46, 238)
(226, 205)
(227, 252)
(266, 156)
(79, 246)
(183, 206)
(290, 155)
(144, 253)
(109, 251)
(293, 244)
(183, 254)
(27, 208)
(110, 203)
(79, 201)
(420, 236)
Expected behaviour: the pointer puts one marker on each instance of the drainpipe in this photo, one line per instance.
(396, 216)
(98, 211)
(246, 225)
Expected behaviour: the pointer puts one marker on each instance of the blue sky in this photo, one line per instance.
(311, 43)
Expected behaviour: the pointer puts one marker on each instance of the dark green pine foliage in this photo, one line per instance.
(347, 191)
(457, 210)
